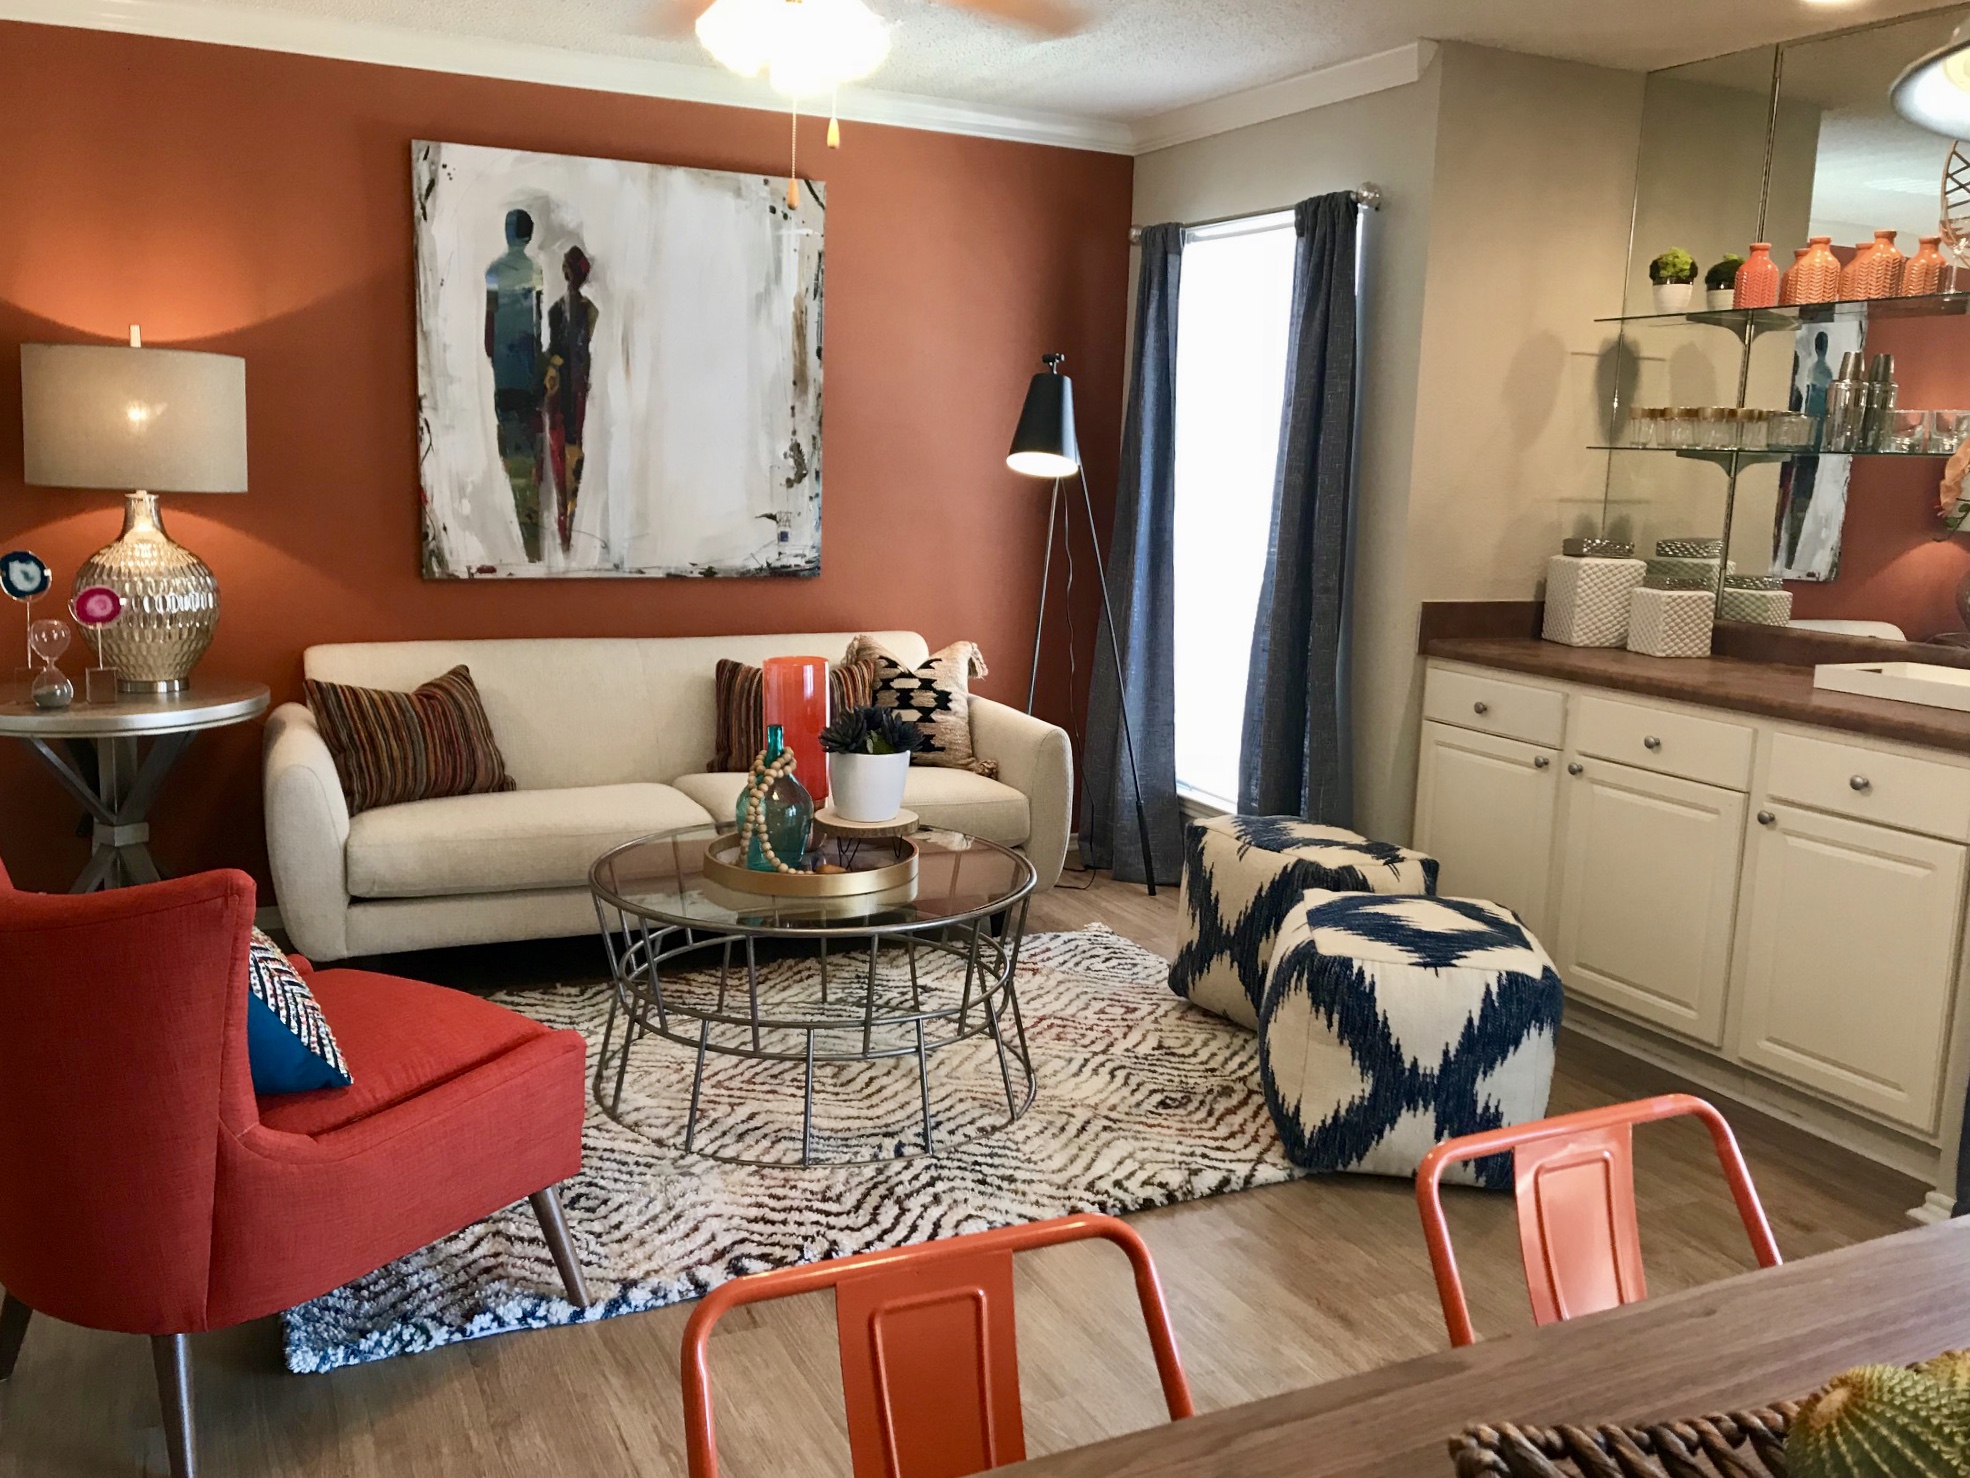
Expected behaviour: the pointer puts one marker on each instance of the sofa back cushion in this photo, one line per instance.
(578, 711)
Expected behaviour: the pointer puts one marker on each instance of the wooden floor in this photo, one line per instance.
(1270, 1290)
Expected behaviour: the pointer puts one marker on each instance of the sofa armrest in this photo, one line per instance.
(307, 834)
(1036, 758)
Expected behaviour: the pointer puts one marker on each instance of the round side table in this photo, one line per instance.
(128, 777)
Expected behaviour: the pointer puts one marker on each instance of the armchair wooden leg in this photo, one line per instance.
(547, 1206)
(172, 1354)
(13, 1329)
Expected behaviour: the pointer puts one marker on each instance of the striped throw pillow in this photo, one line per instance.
(739, 695)
(392, 747)
(288, 1042)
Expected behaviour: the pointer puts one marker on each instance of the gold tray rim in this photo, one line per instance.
(743, 879)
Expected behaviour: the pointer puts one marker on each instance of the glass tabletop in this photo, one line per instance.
(662, 878)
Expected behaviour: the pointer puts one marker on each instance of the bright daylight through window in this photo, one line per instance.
(1232, 319)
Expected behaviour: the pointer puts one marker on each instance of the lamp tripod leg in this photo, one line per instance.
(1121, 693)
(1040, 621)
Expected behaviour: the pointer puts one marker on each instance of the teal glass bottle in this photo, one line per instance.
(789, 813)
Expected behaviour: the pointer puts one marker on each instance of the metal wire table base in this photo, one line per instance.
(701, 989)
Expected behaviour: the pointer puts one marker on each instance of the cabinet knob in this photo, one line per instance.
(1541, 762)
(1766, 818)
(1651, 743)
(1480, 708)
(1576, 768)
(1861, 783)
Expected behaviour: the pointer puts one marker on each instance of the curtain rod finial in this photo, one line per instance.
(1369, 196)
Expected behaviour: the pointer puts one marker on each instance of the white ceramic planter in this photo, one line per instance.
(867, 787)
(1673, 297)
(1718, 299)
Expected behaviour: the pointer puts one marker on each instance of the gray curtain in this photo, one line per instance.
(1142, 595)
(1295, 756)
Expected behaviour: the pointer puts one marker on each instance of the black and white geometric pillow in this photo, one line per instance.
(288, 1040)
(1392, 1024)
(1243, 876)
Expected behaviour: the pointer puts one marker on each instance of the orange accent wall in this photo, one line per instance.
(259, 204)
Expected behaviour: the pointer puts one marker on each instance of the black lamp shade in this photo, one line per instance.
(1045, 444)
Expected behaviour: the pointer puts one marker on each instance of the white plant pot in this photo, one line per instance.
(1718, 299)
(1673, 297)
(867, 787)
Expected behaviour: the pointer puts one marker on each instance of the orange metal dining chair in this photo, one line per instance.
(1575, 1180)
(929, 1352)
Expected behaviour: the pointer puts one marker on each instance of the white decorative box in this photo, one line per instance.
(1670, 623)
(1587, 600)
(1764, 602)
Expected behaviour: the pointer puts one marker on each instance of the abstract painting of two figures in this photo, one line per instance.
(619, 367)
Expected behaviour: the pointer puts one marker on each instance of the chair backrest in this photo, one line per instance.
(1575, 1180)
(929, 1356)
(122, 1058)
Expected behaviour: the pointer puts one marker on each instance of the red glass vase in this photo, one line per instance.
(794, 695)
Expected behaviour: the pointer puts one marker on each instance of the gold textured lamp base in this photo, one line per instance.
(170, 602)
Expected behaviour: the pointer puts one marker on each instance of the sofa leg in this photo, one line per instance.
(13, 1329)
(172, 1354)
(553, 1226)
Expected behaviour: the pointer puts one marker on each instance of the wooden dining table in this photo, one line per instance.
(1747, 1341)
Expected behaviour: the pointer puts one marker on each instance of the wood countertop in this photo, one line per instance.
(1771, 689)
(1744, 1342)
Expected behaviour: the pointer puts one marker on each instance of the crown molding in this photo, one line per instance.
(519, 61)
(1335, 84)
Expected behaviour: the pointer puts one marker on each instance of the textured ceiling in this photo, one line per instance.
(1137, 58)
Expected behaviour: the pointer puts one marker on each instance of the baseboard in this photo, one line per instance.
(1937, 1207)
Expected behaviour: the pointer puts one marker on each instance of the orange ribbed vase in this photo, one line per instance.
(1923, 276)
(1818, 272)
(1757, 279)
(1788, 285)
(1854, 276)
(1884, 273)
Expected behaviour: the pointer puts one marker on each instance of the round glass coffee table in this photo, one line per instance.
(903, 1001)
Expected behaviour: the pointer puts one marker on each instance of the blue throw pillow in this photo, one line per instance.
(287, 1037)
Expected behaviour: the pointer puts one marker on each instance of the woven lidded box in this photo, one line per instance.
(1587, 599)
(1670, 623)
(1761, 599)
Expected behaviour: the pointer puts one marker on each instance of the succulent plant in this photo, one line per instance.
(1880, 1421)
(1724, 274)
(872, 730)
(1952, 1368)
(1674, 265)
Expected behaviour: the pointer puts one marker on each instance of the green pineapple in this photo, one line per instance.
(1881, 1421)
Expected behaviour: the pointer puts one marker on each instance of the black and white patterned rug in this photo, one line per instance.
(1142, 1101)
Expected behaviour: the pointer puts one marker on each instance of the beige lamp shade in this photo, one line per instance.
(163, 420)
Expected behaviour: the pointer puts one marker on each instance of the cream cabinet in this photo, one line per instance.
(1648, 893)
(1851, 959)
(1485, 811)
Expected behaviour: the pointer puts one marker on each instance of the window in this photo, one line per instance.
(1233, 313)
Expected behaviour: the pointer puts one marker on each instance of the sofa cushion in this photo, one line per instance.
(455, 1033)
(505, 843)
(390, 747)
(952, 800)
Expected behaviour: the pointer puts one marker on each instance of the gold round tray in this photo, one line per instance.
(881, 864)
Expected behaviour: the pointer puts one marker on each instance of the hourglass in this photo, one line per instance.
(47, 640)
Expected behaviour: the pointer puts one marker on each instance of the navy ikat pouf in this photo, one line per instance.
(1243, 877)
(1392, 1024)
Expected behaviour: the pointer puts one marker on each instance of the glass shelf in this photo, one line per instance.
(1725, 457)
(1765, 320)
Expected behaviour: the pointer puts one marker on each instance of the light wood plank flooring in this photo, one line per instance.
(1270, 1290)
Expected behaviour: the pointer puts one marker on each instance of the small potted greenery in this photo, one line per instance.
(1674, 276)
(1720, 284)
(869, 753)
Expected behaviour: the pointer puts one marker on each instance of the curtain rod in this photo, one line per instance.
(1368, 197)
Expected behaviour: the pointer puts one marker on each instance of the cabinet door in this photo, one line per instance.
(1648, 894)
(1851, 959)
(1484, 809)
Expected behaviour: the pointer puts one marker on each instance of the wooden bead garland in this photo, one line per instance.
(764, 777)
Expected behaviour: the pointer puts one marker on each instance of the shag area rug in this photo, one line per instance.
(1142, 1101)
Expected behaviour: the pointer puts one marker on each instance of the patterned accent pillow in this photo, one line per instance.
(937, 695)
(739, 696)
(288, 1041)
(392, 747)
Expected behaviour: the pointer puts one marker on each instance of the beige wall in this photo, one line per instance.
(1508, 183)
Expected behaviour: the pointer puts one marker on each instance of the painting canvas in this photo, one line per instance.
(619, 367)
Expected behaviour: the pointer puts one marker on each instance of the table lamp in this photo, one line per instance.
(141, 421)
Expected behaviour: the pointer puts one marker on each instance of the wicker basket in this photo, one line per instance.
(1740, 1444)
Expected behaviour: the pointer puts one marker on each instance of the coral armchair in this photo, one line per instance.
(145, 1190)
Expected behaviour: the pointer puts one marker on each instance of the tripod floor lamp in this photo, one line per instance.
(1045, 446)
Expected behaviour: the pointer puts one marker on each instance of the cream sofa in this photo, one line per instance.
(608, 739)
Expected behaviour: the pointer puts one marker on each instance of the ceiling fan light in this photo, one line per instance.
(805, 47)
(1934, 93)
